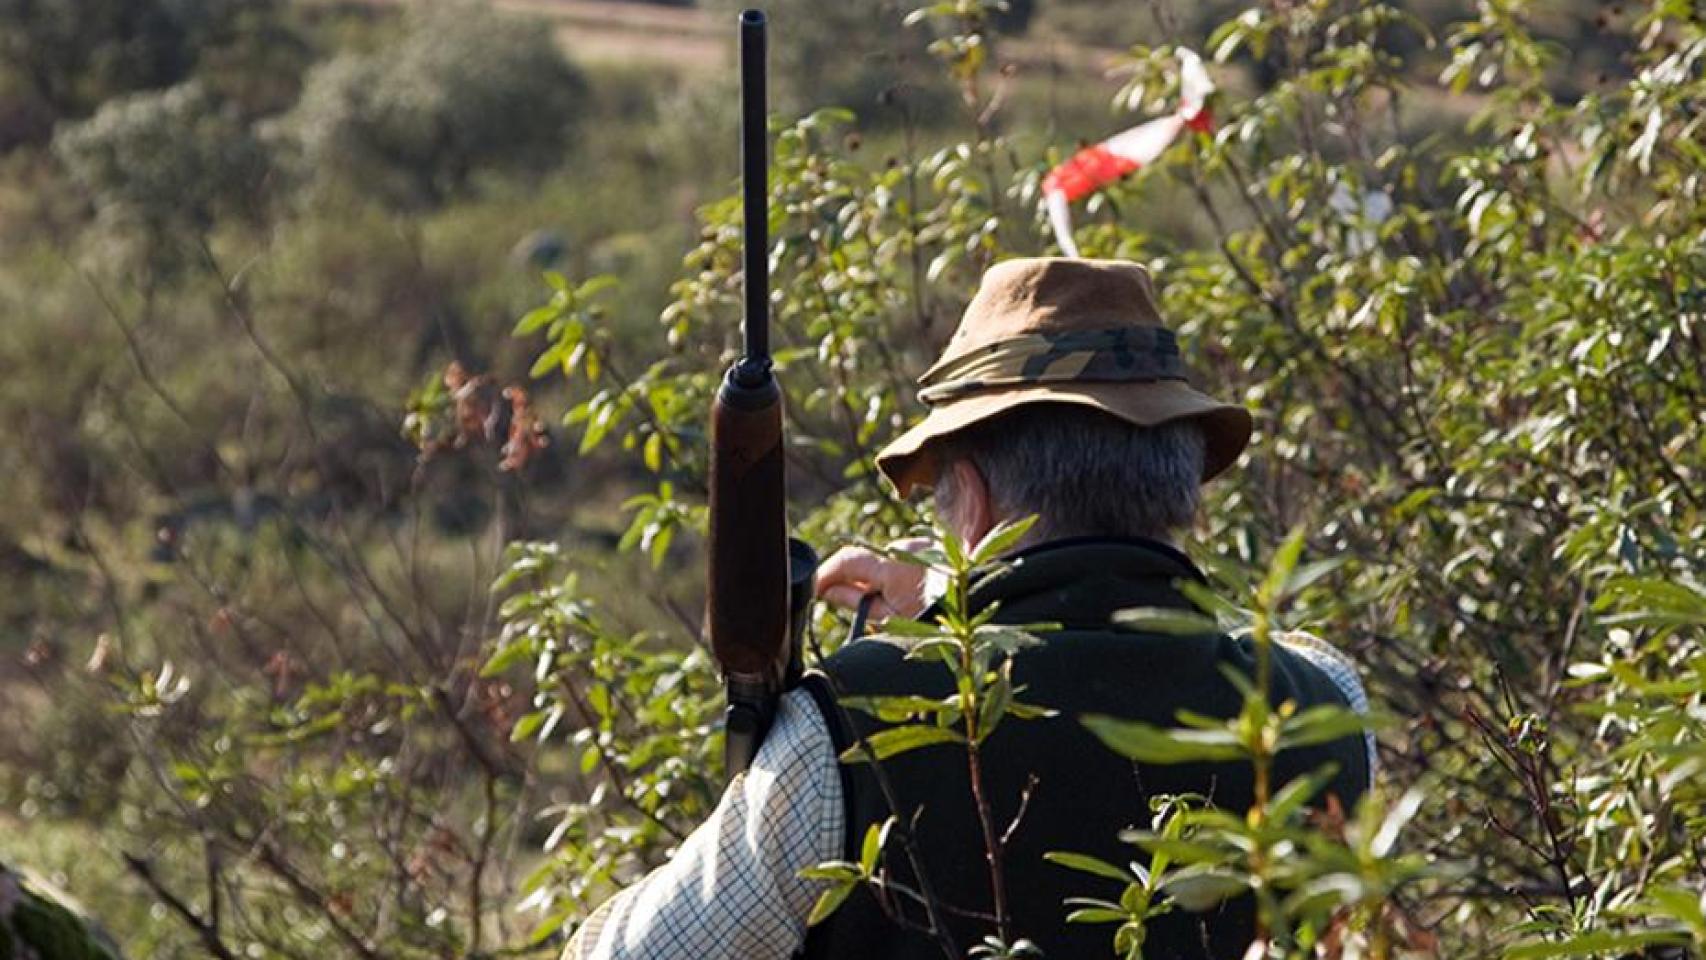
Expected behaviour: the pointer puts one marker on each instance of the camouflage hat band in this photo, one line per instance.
(1127, 354)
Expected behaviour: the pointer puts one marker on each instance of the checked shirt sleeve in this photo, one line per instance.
(1339, 669)
(733, 888)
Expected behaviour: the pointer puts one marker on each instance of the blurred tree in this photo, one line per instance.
(1486, 398)
(464, 89)
(257, 62)
(63, 58)
(854, 54)
(162, 163)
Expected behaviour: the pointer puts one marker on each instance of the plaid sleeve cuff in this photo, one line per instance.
(733, 889)
(1339, 669)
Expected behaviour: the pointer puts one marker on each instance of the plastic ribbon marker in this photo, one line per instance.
(1094, 167)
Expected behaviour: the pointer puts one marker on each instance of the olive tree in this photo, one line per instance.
(162, 165)
(61, 59)
(462, 90)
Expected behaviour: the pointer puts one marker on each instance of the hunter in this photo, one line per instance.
(1061, 395)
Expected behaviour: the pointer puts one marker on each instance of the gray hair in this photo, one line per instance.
(1081, 472)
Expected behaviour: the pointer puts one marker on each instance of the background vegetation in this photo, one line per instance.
(352, 571)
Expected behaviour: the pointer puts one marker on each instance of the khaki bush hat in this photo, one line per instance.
(1061, 330)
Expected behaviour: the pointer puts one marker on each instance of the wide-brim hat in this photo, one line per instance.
(1061, 330)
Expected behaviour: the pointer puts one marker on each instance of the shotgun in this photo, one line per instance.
(760, 581)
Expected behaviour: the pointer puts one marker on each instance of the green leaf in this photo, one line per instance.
(527, 726)
(900, 709)
(1321, 724)
(1653, 602)
(1088, 864)
(828, 902)
(1227, 615)
(897, 740)
(955, 551)
(508, 655)
(1596, 941)
(598, 695)
(992, 707)
(1413, 503)
(1279, 570)
(1028, 711)
(548, 360)
(1687, 906)
(661, 537)
(946, 649)
(653, 452)
(1096, 915)
(1298, 792)
(1004, 638)
(1001, 539)
(1172, 848)
(1226, 39)
(595, 285)
(1198, 890)
(551, 925)
(1147, 743)
(1324, 893)
(534, 319)
(910, 629)
(1305, 576)
(876, 836)
(834, 871)
(1168, 620)
(1394, 822)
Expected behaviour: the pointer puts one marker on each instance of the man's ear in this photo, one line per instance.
(974, 511)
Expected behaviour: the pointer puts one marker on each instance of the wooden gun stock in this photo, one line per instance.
(748, 609)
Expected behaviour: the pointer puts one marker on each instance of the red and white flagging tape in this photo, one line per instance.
(1094, 167)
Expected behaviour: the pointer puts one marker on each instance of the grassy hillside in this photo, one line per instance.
(273, 435)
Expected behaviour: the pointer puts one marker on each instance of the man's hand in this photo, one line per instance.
(851, 573)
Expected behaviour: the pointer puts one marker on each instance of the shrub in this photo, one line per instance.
(858, 55)
(465, 89)
(1485, 400)
(1477, 362)
(67, 57)
(164, 164)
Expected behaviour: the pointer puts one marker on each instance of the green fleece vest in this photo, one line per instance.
(1084, 794)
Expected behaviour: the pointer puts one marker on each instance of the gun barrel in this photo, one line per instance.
(755, 185)
(748, 607)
